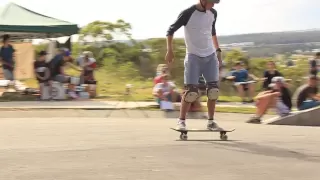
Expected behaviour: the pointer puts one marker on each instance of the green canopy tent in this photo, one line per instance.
(22, 23)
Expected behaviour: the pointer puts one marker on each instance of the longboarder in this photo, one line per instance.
(203, 56)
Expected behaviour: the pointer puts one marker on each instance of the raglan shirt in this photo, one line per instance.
(199, 27)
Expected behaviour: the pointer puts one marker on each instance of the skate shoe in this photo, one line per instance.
(212, 125)
(181, 125)
(254, 120)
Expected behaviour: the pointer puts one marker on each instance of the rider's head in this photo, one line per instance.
(279, 82)
(165, 78)
(313, 81)
(208, 4)
(238, 66)
(271, 65)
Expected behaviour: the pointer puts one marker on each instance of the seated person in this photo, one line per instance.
(41, 70)
(315, 64)
(278, 97)
(307, 96)
(88, 65)
(163, 69)
(160, 68)
(57, 69)
(57, 66)
(240, 77)
(164, 90)
(270, 73)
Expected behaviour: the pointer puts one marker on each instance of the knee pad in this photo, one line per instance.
(213, 91)
(191, 93)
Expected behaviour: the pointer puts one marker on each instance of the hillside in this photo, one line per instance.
(287, 37)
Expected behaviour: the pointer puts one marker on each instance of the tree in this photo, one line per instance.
(106, 31)
(159, 49)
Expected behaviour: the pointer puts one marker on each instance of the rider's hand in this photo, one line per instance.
(169, 57)
(219, 56)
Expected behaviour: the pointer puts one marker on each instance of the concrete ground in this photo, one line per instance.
(87, 104)
(98, 148)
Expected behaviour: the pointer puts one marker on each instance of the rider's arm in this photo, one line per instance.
(214, 36)
(182, 20)
(253, 76)
(214, 32)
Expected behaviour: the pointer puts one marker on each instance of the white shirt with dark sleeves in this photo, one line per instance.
(199, 27)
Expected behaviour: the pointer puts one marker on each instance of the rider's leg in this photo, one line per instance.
(210, 67)
(251, 89)
(240, 90)
(191, 77)
(263, 104)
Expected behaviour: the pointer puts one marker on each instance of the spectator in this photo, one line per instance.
(240, 77)
(57, 66)
(278, 96)
(269, 74)
(88, 64)
(315, 64)
(164, 90)
(41, 69)
(306, 95)
(58, 74)
(7, 53)
(163, 69)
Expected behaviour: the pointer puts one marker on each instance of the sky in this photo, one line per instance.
(152, 18)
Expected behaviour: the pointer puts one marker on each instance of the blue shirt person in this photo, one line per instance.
(7, 58)
(7, 55)
(240, 75)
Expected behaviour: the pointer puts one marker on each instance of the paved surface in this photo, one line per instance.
(145, 148)
(90, 104)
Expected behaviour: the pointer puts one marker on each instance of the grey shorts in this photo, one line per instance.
(195, 66)
(8, 74)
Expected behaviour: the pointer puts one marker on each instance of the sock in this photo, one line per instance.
(210, 120)
(182, 120)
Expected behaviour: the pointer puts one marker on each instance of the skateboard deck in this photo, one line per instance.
(184, 136)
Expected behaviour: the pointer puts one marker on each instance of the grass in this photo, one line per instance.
(112, 87)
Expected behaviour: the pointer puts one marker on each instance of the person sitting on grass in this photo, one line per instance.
(278, 97)
(240, 77)
(315, 64)
(42, 71)
(57, 68)
(164, 90)
(88, 65)
(307, 96)
(161, 70)
(270, 73)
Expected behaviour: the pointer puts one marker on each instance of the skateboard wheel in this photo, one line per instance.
(224, 137)
(183, 137)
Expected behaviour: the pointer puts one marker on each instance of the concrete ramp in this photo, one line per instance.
(310, 117)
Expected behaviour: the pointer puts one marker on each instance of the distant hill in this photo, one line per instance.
(286, 37)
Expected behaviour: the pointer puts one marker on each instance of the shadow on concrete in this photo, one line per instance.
(264, 150)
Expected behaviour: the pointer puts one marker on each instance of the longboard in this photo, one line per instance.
(184, 133)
